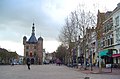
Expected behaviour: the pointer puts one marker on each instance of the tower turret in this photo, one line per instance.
(24, 40)
(40, 39)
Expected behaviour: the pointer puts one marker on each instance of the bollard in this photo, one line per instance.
(87, 78)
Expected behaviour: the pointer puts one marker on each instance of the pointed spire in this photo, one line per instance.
(33, 30)
(32, 39)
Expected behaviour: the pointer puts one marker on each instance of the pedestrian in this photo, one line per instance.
(28, 63)
(97, 61)
(58, 61)
(12, 62)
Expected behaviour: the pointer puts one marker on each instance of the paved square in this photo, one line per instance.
(47, 72)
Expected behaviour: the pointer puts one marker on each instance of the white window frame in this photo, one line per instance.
(117, 21)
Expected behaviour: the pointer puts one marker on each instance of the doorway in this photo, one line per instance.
(32, 61)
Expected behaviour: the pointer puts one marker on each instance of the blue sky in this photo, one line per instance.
(17, 17)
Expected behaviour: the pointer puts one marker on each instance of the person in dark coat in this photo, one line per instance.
(28, 63)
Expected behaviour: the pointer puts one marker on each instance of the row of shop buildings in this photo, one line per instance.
(102, 41)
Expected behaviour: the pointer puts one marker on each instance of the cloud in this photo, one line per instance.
(51, 45)
(12, 46)
(17, 17)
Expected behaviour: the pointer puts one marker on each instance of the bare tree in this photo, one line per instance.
(75, 26)
(61, 53)
(68, 34)
(85, 20)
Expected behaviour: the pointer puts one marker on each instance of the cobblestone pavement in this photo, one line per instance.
(95, 70)
(47, 72)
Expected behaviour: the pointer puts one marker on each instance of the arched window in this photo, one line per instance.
(34, 47)
(27, 53)
(27, 47)
(35, 54)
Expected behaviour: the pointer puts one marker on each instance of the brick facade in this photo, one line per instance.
(33, 48)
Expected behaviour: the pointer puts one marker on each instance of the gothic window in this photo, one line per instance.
(111, 39)
(110, 23)
(117, 21)
(118, 35)
(103, 43)
(105, 29)
(108, 42)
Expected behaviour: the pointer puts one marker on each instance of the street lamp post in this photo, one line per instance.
(91, 60)
(100, 60)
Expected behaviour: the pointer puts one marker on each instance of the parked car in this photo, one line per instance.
(46, 62)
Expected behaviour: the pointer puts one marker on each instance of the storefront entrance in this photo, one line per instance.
(32, 61)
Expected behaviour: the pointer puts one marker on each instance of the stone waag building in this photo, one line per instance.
(33, 48)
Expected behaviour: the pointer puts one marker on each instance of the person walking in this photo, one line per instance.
(28, 63)
(11, 62)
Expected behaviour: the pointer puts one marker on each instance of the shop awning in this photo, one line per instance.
(103, 53)
(116, 55)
